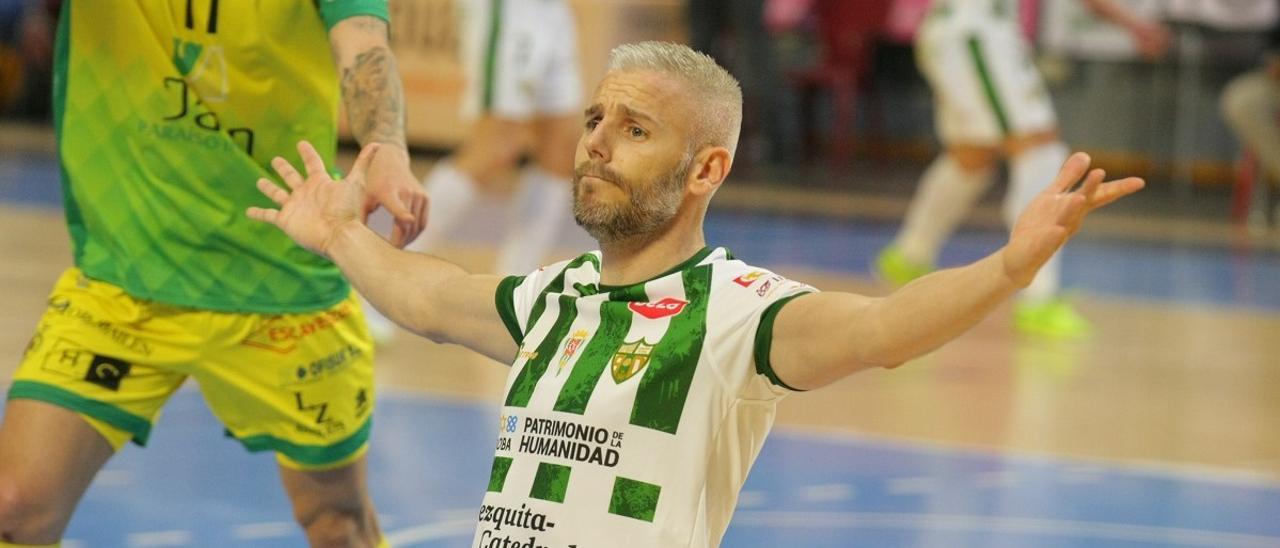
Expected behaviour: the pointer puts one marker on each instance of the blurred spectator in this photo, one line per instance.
(26, 56)
(1251, 106)
(733, 32)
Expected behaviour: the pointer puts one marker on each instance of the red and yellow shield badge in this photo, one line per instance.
(629, 360)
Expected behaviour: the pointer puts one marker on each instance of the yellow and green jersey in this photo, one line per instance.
(167, 112)
(632, 414)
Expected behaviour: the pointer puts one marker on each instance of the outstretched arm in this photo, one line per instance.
(820, 338)
(374, 97)
(427, 295)
(1151, 37)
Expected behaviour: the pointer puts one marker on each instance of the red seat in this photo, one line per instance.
(847, 32)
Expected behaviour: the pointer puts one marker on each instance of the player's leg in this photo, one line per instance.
(949, 188)
(544, 193)
(491, 150)
(496, 98)
(48, 457)
(543, 198)
(1035, 154)
(1033, 162)
(1250, 105)
(333, 506)
(82, 391)
(971, 132)
(301, 385)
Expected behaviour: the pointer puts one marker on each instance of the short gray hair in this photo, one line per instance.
(718, 94)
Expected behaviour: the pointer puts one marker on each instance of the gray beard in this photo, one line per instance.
(649, 208)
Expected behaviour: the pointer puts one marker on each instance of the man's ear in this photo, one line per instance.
(710, 168)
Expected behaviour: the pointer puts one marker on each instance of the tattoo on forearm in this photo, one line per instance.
(374, 97)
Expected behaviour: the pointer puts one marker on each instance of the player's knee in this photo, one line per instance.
(1237, 103)
(26, 516)
(975, 161)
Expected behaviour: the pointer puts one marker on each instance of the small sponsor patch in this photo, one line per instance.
(107, 372)
(669, 306)
(749, 278)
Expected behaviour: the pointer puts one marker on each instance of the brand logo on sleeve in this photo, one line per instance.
(749, 278)
(669, 306)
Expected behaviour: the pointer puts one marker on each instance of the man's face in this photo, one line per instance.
(633, 157)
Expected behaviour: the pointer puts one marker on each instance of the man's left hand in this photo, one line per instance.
(1057, 213)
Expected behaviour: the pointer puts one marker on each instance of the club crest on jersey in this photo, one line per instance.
(749, 278)
(669, 306)
(571, 348)
(629, 360)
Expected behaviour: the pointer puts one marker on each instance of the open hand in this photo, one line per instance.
(1057, 213)
(314, 208)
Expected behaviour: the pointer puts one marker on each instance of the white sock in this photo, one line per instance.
(1030, 172)
(537, 213)
(452, 195)
(946, 194)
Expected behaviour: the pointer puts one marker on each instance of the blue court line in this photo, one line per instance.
(430, 460)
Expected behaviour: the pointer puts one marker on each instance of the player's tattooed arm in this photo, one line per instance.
(371, 87)
(374, 97)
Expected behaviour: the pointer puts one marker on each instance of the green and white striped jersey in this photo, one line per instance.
(632, 414)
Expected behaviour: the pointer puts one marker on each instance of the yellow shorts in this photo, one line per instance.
(297, 384)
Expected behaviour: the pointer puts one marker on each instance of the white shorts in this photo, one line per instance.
(986, 87)
(521, 58)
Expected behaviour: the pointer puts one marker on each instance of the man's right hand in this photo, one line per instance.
(315, 208)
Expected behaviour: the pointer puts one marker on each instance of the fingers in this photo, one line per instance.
(1114, 190)
(362, 161)
(290, 175)
(1071, 172)
(263, 214)
(275, 193)
(1091, 183)
(311, 160)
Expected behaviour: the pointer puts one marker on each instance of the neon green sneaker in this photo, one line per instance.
(891, 266)
(1054, 318)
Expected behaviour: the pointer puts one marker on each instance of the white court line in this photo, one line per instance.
(160, 538)
(269, 529)
(431, 531)
(828, 492)
(987, 524)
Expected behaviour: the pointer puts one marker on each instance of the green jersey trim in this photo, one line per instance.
(310, 455)
(333, 12)
(138, 427)
(505, 300)
(764, 341)
(686, 264)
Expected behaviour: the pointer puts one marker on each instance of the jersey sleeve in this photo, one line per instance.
(334, 11)
(517, 296)
(764, 339)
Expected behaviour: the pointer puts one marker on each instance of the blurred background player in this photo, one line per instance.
(989, 103)
(1251, 107)
(157, 135)
(524, 91)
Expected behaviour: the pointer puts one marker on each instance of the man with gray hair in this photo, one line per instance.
(645, 376)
